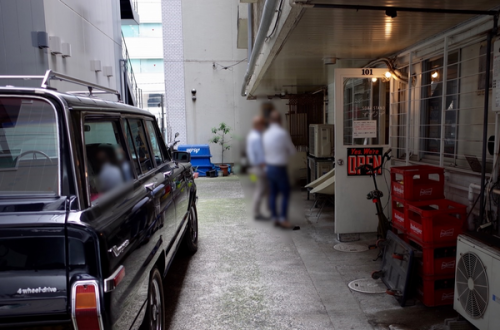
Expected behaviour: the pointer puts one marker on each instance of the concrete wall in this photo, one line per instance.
(92, 28)
(210, 37)
(20, 55)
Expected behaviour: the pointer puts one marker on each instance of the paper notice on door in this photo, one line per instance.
(496, 76)
(364, 129)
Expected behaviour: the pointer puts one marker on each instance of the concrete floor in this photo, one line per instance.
(251, 275)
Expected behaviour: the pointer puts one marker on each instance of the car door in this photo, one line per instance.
(122, 213)
(165, 199)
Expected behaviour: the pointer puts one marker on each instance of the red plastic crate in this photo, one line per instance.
(436, 261)
(436, 290)
(435, 222)
(399, 216)
(419, 182)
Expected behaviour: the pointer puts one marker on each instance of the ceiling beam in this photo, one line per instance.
(389, 9)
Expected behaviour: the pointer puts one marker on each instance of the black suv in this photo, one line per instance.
(93, 207)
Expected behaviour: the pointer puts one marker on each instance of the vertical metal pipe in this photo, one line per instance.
(444, 80)
(250, 30)
(485, 121)
(408, 110)
(162, 119)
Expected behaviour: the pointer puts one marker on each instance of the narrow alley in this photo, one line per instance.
(250, 275)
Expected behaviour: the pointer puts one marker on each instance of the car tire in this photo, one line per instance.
(190, 241)
(155, 305)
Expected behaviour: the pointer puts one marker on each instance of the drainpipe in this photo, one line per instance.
(265, 23)
(250, 30)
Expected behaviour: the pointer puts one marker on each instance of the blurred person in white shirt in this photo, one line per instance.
(278, 148)
(255, 153)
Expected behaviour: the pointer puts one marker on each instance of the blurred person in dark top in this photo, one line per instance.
(278, 148)
(255, 153)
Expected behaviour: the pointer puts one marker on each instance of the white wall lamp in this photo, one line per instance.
(95, 65)
(55, 45)
(66, 49)
(108, 71)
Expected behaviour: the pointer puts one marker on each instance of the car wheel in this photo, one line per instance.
(155, 313)
(191, 235)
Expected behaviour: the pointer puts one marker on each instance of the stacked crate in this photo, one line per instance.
(431, 224)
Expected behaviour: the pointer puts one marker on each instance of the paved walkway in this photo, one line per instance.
(250, 275)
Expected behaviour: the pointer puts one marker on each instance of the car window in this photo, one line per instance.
(140, 144)
(108, 166)
(131, 146)
(29, 147)
(155, 142)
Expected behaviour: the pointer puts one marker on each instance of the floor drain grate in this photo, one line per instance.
(367, 285)
(351, 247)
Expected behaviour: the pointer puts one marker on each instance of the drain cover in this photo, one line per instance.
(368, 285)
(351, 247)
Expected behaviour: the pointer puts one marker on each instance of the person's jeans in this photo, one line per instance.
(278, 184)
(260, 189)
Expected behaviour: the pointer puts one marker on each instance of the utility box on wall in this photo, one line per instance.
(321, 142)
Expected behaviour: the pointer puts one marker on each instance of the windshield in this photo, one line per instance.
(29, 149)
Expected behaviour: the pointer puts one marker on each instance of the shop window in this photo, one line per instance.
(366, 100)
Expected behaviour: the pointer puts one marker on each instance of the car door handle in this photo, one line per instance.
(150, 186)
(139, 205)
(167, 175)
(158, 189)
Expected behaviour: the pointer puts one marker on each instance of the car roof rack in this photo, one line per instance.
(52, 75)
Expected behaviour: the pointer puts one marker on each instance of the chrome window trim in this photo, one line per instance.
(97, 298)
(59, 182)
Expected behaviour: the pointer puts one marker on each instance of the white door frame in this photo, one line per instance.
(353, 212)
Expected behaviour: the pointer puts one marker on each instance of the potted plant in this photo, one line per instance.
(221, 139)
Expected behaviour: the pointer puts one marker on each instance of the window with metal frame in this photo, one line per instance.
(155, 141)
(437, 118)
(29, 147)
(139, 140)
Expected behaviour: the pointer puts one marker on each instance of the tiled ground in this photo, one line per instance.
(251, 275)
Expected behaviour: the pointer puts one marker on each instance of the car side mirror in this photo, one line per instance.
(182, 157)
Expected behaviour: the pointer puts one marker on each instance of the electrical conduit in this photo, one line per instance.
(265, 23)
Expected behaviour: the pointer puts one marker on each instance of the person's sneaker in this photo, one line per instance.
(285, 224)
(260, 217)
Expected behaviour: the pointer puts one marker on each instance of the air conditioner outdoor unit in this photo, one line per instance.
(321, 143)
(477, 285)
(322, 168)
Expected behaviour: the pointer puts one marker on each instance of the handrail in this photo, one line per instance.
(52, 75)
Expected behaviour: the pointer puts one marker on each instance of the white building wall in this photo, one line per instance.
(20, 55)
(210, 38)
(92, 27)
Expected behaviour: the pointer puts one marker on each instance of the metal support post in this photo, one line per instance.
(444, 81)
(491, 34)
(408, 111)
(163, 133)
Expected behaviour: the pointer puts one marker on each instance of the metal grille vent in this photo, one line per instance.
(472, 285)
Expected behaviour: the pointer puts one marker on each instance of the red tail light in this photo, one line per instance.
(86, 310)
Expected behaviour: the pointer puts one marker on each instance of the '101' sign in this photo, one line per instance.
(360, 156)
